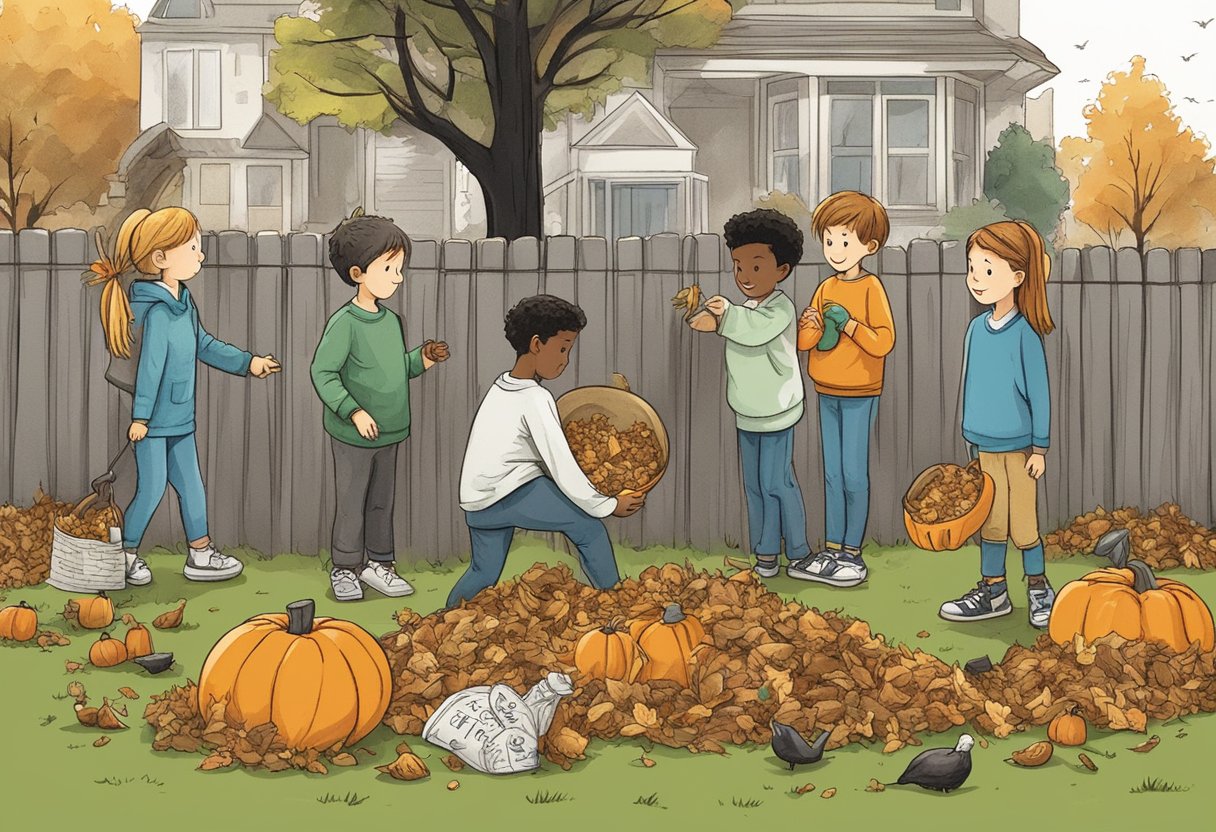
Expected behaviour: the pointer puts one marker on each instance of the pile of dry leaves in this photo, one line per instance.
(179, 726)
(25, 540)
(764, 658)
(1164, 538)
(949, 494)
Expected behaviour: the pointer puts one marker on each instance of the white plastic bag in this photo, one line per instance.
(493, 729)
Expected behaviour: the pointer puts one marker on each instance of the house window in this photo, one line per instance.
(264, 197)
(783, 140)
(192, 89)
(966, 141)
(642, 210)
(214, 195)
(883, 139)
(599, 208)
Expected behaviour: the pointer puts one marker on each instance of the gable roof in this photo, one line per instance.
(268, 134)
(635, 123)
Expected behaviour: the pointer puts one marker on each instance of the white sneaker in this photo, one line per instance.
(767, 568)
(1042, 599)
(830, 567)
(346, 585)
(138, 573)
(211, 564)
(382, 576)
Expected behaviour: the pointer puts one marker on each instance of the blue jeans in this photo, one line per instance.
(160, 460)
(775, 510)
(539, 506)
(844, 428)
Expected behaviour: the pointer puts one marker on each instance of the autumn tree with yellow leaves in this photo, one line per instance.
(70, 104)
(1139, 170)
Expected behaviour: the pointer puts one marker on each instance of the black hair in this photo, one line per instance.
(543, 316)
(773, 228)
(360, 240)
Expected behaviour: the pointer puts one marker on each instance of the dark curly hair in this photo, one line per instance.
(361, 239)
(543, 316)
(773, 228)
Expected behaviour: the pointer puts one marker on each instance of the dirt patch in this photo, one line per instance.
(1164, 538)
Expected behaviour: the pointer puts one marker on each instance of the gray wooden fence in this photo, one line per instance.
(1131, 366)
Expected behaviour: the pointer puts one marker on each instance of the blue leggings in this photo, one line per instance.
(160, 460)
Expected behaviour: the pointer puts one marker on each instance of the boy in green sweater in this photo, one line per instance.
(763, 382)
(361, 371)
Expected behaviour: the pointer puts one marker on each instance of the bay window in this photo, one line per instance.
(965, 146)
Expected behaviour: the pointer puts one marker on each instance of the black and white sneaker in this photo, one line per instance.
(767, 567)
(346, 585)
(978, 604)
(830, 567)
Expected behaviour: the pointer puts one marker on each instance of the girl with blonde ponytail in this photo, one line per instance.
(157, 328)
(1007, 411)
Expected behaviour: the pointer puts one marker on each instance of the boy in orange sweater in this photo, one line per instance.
(848, 330)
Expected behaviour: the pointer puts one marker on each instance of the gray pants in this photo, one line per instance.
(366, 480)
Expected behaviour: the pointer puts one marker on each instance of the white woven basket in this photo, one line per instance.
(81, 565)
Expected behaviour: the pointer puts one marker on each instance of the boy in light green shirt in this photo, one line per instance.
(763, 380)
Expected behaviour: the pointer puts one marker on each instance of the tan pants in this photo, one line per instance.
(1014, 513)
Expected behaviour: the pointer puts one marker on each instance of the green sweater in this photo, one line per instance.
(763, 381)
(362, 364)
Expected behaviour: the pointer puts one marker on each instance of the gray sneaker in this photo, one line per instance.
(138, 573)
(978, 604)
(346, 585)
(211, 564)
(1041, 600)
(767, 568)
(831, 567)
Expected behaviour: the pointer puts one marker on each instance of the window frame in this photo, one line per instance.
(954, 154)
(929, 152)
(194, 85)
(774, 101)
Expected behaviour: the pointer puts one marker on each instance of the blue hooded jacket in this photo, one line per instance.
(173, 339)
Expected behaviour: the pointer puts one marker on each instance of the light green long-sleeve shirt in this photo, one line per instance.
(763, 381)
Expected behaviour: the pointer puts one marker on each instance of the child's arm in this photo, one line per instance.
(545, 428)
(879, 338)
(154, 349)
(753, 327)
(331, 355)
(415, 363)
(1038, 391)
(809, 335)
(222, 356)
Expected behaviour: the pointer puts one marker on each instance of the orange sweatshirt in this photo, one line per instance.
(854, 366)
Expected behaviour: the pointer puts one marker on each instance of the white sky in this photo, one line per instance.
(1116, 30)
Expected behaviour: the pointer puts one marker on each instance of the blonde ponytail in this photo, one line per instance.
(141, 234)
(1021, 246)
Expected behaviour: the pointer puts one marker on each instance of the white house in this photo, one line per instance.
(897, 98)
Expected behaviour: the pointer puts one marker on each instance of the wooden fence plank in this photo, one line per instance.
(69, 394)
(892, 472)
(1159, 456)
(624, 357)
(1068, 440)
(262, 524)
(1194, 440)
(807, 466)
(1207, 278)
(452, 403)
(706, 390)
(1097, 273)
(956, 308)
(925, 328)
(591, 353)
(9, 357)
(558, 279)
(31, 433)
(1127, 377)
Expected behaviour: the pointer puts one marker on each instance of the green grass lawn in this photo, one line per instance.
(52, 770)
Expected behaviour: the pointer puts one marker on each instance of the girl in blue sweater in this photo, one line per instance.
(1007, 411)
(166, 248)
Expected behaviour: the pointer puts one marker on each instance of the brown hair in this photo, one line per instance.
(141, 234)
(1019, 245)
(860, 212)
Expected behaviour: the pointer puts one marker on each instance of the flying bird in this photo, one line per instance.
(939, 769)
(1192, 100)
(1081, 45)
(1203, 24)
(1187, 58)
(1083, 81)
(790, 747)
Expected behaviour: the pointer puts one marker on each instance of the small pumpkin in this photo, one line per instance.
(1068, 728)
(18, 622)
(608, 653)
(138, 640)
(1131, 601)
(107, 652)
(668, 644)
(93, 613)
(321, 681)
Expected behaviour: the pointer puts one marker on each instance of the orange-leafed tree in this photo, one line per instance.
(69, 104)
(1139, 170)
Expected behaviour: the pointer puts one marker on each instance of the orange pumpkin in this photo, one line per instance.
(107, 652)
(138, 640)
(321, 682)
(608, 653)
(93, 613)
(18, 622)
(1131, 601)
(1068, 728)
(668, 643)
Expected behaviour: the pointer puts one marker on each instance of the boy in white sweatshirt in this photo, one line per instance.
(519, 471)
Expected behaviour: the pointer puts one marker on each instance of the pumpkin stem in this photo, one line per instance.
(1114, 545)
(299, 617)
(1145, 579)
(673, 614)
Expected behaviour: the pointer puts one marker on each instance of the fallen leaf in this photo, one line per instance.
(828, 794)
(922, 634)
(875, 786)
(100, 741)
(408, 766)
(214, 761)
(213, 609)
(805, 788)
(107, 719)
(569, 743)
(1146, 746)
(317, 767)
(76, 691)
(643, 715)
(646, 761)
(172, 619)
(1088, 763)
(72, 667)
(983, 743)
(86, 716)
(453, 785)
(344, 759)
(453, 762)
(128, 693)
(596, 712)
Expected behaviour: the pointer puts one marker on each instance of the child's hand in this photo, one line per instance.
(703, 322)
(365, 424)
(137, 431)
(263, 366)
(717, 305)
(628, 503)
(1036, 465)
(435, 351)
(810, 319)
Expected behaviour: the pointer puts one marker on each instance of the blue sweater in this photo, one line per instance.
(173, 339)
(1006, 404)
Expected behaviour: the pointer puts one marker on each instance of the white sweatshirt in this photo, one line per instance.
(517, 437)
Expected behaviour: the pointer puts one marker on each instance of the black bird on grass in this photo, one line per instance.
(939, 769)
(790, 747)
